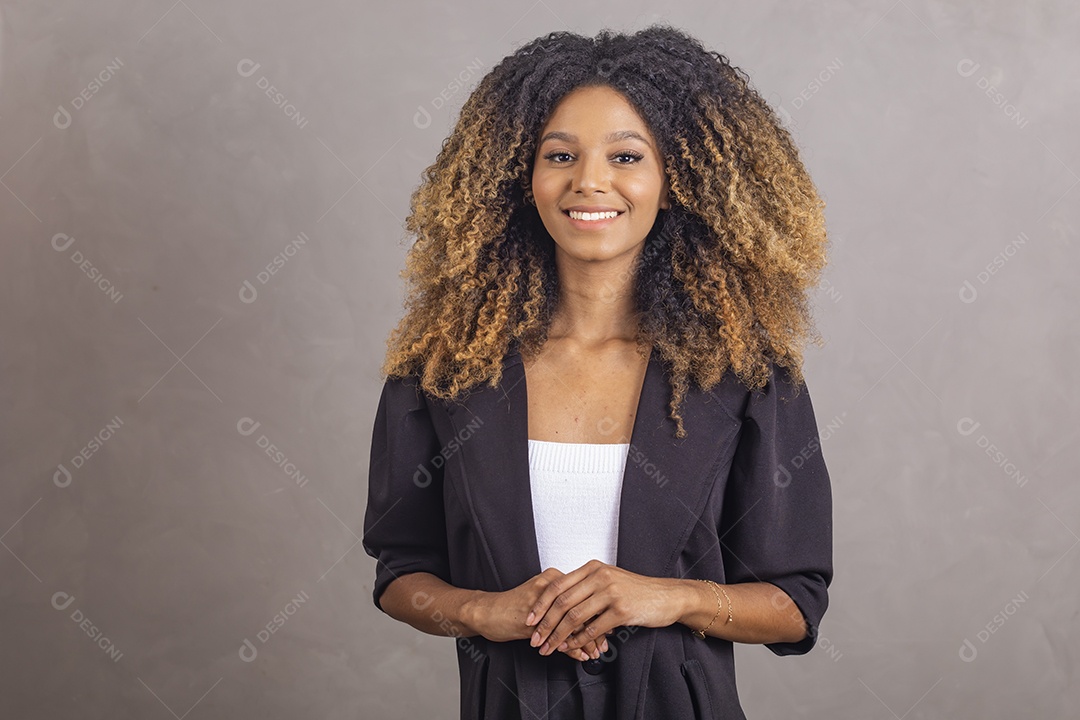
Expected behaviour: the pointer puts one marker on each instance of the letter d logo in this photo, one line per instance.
(968, 293)
(62, 600)
(245, 426)
(65, 246)
(248, 293)
(62, 477)
(967, 67)
(782, 478)
(422, 118)
(248, 652)
(61, 118)
(966, 426)
(247, 68)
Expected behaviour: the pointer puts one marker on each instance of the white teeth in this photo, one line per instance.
(592, 216)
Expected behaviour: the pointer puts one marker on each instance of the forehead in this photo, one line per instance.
(593, 113)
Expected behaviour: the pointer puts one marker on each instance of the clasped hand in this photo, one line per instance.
(574, 612)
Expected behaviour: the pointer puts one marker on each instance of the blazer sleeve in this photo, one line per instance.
(405, 522)
(777, 515)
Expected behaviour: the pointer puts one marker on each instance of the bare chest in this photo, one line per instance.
(584, 400)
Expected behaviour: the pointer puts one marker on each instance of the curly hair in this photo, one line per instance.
(722, 280)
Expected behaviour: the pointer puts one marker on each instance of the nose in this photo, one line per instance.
(591, 174)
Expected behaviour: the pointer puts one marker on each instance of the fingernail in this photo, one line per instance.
(535, 639)
(605, 646)
(529, 620)
(543, 649)
(563, 646)
(584, 656)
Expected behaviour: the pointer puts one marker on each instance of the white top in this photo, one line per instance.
(576, 489)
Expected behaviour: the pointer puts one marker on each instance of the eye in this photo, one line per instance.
(634, 156)
(630, 154)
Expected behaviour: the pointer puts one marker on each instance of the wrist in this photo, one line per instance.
(698, 605)
(472, 611)
(689, 601)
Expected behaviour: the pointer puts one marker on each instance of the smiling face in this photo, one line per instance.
(597, 154)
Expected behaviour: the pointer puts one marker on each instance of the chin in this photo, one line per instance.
(593, 250)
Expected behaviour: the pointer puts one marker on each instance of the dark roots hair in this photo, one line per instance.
(723, 277)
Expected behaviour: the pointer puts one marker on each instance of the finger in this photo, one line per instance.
(591, 649)
(543, 582)
(547, 576)
(563, 605)
(557, 586)
(591, 634)
(577, 616)
(583, 653)
(582, 650)
(596, 631)
(575, 635)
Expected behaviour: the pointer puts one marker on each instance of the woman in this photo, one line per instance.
(621, 226)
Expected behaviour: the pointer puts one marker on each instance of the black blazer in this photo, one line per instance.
(744, 497)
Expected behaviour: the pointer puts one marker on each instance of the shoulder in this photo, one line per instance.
(403, 394)
(784, 381)
(781, 385)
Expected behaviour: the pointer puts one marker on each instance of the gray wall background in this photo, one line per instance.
(159, 559)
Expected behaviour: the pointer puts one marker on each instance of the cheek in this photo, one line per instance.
(542, 184)
(642, 192)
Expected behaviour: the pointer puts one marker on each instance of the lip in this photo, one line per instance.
(592, 224)
(591, 208)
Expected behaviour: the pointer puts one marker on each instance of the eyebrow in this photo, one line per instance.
(611, 138)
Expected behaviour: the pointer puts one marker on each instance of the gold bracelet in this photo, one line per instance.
(701, 633)
(728, 603)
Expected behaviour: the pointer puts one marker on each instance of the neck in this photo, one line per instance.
(596, 301)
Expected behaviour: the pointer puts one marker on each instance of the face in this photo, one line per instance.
(596, 153)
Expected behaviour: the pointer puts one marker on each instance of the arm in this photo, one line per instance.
(761, 612)
(432, 605)
(776, 530)
(405, 523)
(405, 530)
